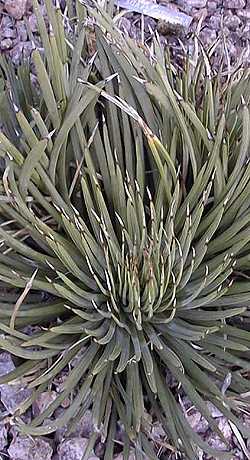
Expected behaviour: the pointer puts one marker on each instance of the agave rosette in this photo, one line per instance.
(125, 236)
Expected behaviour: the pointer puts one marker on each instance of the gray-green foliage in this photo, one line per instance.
(125, 198)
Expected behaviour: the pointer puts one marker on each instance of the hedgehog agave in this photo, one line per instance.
(125, 236)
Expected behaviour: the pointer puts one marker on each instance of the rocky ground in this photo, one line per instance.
(14, 446)
(227, 19)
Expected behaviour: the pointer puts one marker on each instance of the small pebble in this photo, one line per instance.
(15, 8)
(43, 401)
(21, 31)
(6, 44)
(28, 448)
(196, 3)
(244, 14)
(232, 22)
(234, 4)
(9, 33)
(6, 22)
(3, 436)
(208, 36)
(215, 22)
(212, 6)
(73, 449)
(16, 53)
(246, 32)
(216, 413)
(33, 22)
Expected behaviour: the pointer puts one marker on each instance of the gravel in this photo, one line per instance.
(27, 448)
(211, 19)
(3, 437)
(73, 449)
(16, 17)
(11, 395)
(64, 446)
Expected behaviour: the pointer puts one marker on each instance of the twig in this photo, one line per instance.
(21, 299)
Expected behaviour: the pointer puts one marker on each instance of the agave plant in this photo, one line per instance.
(125, 231)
